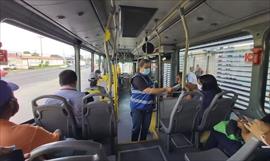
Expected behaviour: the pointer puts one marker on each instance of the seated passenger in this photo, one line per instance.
(178, 82)
(208, 85)
(97, 74)
(68, 81)
(94, 88)
(257, 128)
(25, 137)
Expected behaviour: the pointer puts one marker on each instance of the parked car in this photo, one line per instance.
(12, 66)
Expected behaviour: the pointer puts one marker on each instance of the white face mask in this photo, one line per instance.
(199, 86)
(146, 71)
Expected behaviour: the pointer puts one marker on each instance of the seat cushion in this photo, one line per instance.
(209, 155)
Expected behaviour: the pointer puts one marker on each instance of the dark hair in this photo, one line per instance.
(97, 71)
(67, 77)
(180, 74)
(209, 82)
(143, 61)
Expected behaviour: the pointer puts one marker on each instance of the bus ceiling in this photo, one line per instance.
(83, 22)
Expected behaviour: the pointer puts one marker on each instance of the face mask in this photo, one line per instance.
(146, 71)
(199, 86)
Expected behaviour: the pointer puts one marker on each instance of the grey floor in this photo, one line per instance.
(124, 122)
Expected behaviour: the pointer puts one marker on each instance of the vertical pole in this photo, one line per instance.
(77, 65)
(92, 62)
(181, 11)
(99, 62)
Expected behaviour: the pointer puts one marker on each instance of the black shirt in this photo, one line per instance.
(139, 83)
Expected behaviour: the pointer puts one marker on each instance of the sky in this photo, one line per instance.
(15, 39)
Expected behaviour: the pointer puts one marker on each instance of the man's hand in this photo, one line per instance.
(258, 128)
(241, 124)
(169, 89)
(27, 156)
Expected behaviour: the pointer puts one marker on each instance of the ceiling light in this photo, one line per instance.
(80, 13)
(214, 24)
(200, 18)
(60, 17)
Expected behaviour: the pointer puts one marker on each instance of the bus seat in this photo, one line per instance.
(182, 119)
(98, 122)
(55, 116)
(69, 150)
(78, 158)
(217, 155)
(11, 154)
(166, 106)
(219, 110)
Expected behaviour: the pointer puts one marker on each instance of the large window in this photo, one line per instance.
(233, 73)
(225, 60)
(85, 64)
(166, 74)
(34, 62)
(267, 94)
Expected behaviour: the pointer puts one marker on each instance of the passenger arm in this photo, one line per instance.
(157, 90)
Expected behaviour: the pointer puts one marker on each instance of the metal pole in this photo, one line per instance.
(41, 49)
(181, 11)
(92, 62)
(77, 65)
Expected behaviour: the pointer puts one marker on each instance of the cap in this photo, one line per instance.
(6, 91)
(93, 76)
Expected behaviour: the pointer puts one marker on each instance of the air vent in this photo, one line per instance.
(134, 19)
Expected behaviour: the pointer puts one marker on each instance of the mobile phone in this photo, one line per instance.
(240, 116)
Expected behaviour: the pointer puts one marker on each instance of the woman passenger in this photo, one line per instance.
(207, 85)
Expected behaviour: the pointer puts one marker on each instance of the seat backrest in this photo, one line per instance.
(98, 120)
(246, 150)
(55, 116)
(78, 158)
(183, 115)
(69, 148)
(219, 110)
(11, 154)
(166, 106)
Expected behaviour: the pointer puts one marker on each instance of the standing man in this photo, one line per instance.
(142, 100)
(191, 77)
(198, 71)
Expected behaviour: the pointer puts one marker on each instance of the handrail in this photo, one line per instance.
(184, 23)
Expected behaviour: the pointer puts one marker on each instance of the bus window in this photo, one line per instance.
(34, 62)
(166, 74)
(225, 60)
(85, 64)
(267, 91)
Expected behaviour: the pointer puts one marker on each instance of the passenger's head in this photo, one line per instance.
(144, 66)
(68, 77)
(98, 73)
(93, 79)
(179, 77)
(8, 103)
(191, 69)
(208, 82)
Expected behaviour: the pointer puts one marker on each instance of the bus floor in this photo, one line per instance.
(124, 120)
(152, 150)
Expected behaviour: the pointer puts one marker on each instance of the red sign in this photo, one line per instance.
(3, 57)
(254, 56)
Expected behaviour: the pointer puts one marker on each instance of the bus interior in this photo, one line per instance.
(228, 39)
